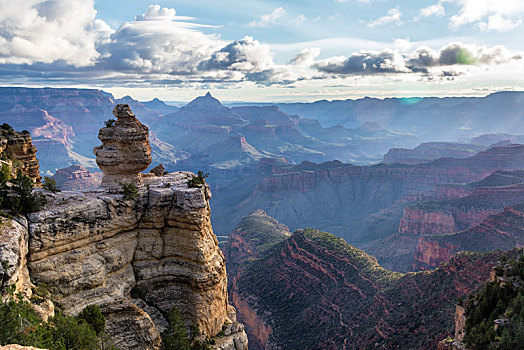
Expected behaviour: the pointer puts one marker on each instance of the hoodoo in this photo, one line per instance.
(125, 149)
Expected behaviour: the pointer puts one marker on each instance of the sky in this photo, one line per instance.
(265, 51)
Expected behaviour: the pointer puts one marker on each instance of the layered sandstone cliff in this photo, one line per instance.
(136, 255)
(135, 258)
(18, 149)
(504, 230)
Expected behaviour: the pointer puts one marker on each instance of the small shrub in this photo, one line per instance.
(21, 200)
(25, 132)
(175, 336)
(199, 180)
(93, 316)
(130, 191)
(5, 174)
(109, 123)
(6, 126)
(50, 184)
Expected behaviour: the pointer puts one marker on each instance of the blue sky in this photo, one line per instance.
(265, 50)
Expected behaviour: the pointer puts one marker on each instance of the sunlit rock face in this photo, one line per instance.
(125, 149)
(19, 148)
(135, 258)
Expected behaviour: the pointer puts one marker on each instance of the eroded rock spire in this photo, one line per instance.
(125, 149)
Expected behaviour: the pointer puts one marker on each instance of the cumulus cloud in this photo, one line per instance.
(393, 16)
(48, 31)
(498, 23)
(488, 14)
(363, 63)
(241, 55)
(422, 60)
(156, 13)
(306, 57)
(157, 45)
(459, 54)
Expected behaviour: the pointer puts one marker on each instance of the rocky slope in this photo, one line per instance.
(504, 230)
(313, 290)
(254, 235)
(448, 209)
(459, 214)
(136, 259)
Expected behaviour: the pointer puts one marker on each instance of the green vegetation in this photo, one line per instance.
(199, 180)
(130, 191)
(21, 325)
(6, 129)
(5, 173)
(367, 263)
(109, 123)
(20, 197)
(50, 184)
(175, 337)
(93, 317)
(495, 316)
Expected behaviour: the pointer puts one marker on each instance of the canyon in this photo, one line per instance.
(341, 198)
(313, 290)
(136, 256)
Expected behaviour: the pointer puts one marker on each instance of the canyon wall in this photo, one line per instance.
(135, 258)
(504, 230)
(18, 150)
(337, 197)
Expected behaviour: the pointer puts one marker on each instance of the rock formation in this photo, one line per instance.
(136, 256)
(504, 230)
(337, 197)
(76, 177)
(125, 150)
(19, 150)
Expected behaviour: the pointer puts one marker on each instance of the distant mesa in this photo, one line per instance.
(125, 149)
(76, 177)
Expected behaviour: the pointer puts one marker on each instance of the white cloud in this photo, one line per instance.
(156, 13)
(501, 15)
(306, 57)
(270, 18)
(158, 45)
(402, 44)
(393, 16)
(423, 60)
(247, 55)
(279, 16)
(498, 23)
(48, 31)
(433, 10)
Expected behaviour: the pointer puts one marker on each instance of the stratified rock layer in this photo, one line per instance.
(19, 148)
(135, 258)
(76, 177)
(125, 149)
